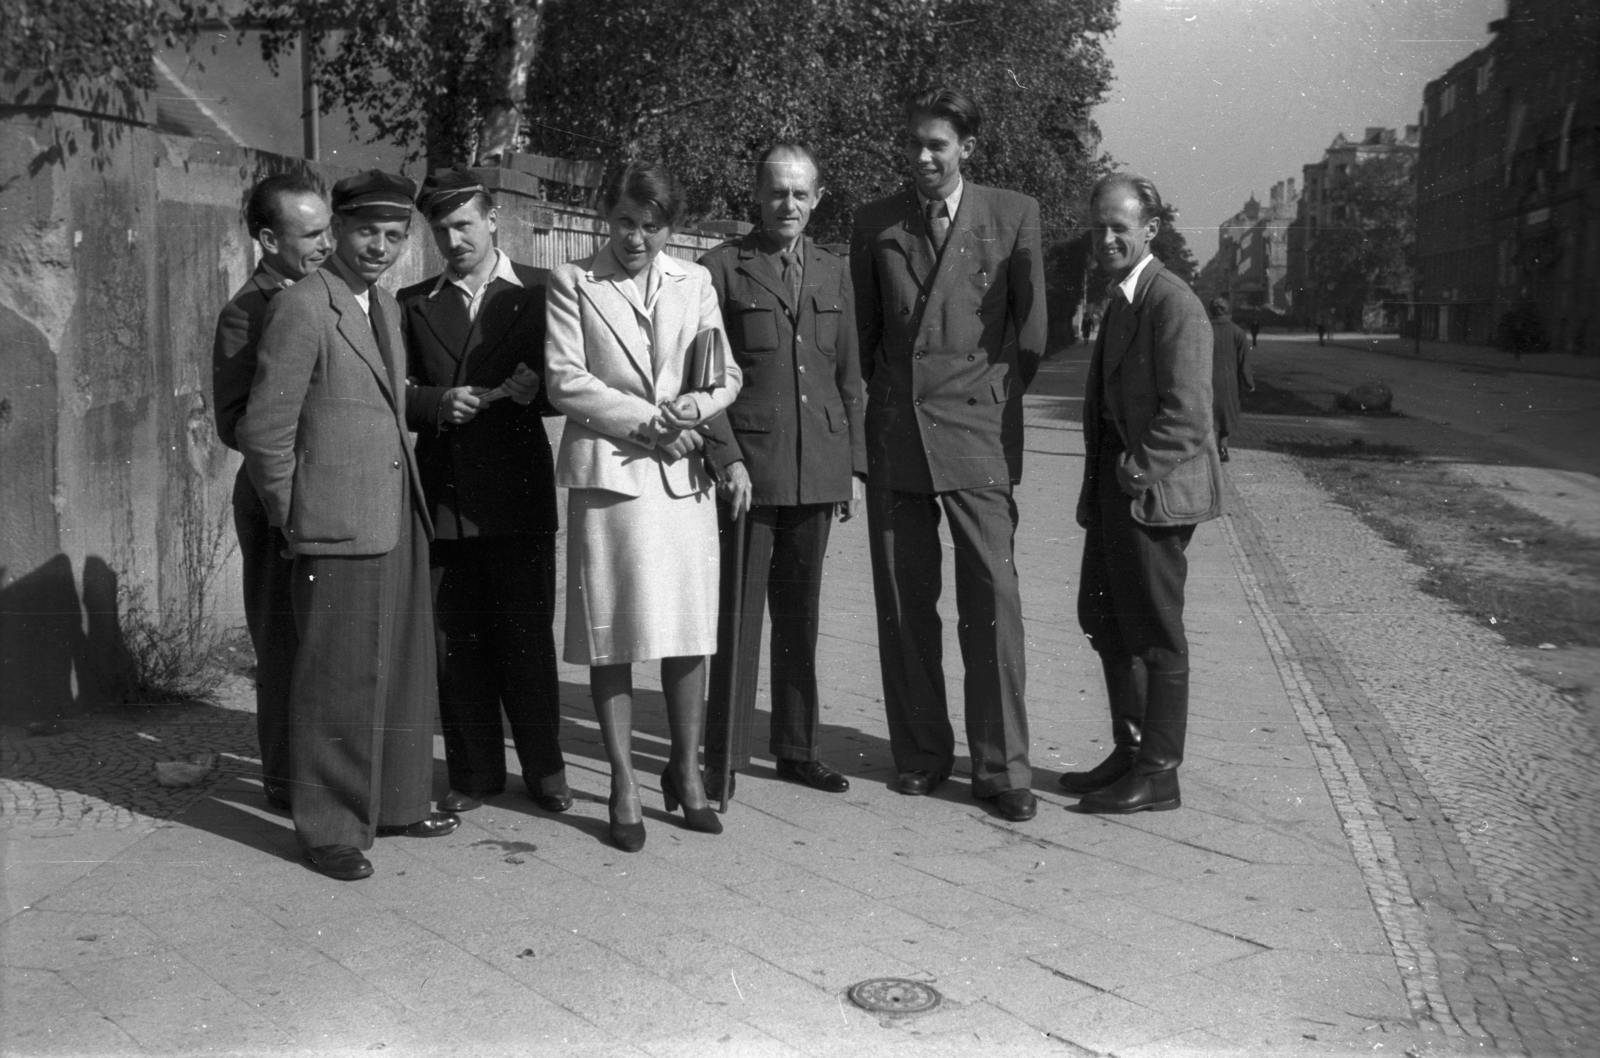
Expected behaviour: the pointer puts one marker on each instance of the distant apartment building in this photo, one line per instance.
(1460, 178)
(1544, 80)
(1317, 211)
(1251, 265)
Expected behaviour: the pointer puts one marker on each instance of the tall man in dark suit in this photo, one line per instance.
(793, 455)
(474, 332)
(950, 302)
(325, 441)
(288, 219)
(1151, 473)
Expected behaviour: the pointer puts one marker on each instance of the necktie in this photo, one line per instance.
(938, 222)
(791, 273)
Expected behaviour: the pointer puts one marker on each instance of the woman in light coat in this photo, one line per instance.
(636, 358)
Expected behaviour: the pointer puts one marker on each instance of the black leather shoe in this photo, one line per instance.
(919, 783)
(344, 862)
(1018, 806)
(1108, 771)
(1157, 792)
(277, 796)
(559, 801)
(816, 774)
(456, 801)
(436, 825)
(713, 784)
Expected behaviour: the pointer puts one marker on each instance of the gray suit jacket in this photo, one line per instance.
(949, 342)
(1151, 376)
(324, 435)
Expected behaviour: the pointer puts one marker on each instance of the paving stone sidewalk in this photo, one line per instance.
(1277, 913)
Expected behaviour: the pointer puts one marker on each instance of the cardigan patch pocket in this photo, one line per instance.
(758, 326)
(837, 419)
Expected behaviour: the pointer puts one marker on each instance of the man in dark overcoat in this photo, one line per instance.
(950, 302)
(287, 217)
(324, 437)
(1151, 474)
(475, 341)
(1230, 370)
(791, 458)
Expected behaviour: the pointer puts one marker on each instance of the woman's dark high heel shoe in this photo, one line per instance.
(629, 837)
(702, 819)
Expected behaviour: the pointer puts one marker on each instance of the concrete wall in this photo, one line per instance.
(115, 257)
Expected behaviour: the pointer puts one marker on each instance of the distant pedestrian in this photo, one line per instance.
(288, 218)
(1255, 333)
(325, 439)
(1322, 333)
(1088, 326)
(1230, 372)
(1151, 474)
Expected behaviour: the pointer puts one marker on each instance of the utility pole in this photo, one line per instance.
(310, 99)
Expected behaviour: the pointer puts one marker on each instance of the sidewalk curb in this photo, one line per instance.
(1437, 914)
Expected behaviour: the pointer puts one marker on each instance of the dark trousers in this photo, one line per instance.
(269, 615)
(1130, 592)
(494, 602)
(364, 694)
(903, 530)
(784, 549)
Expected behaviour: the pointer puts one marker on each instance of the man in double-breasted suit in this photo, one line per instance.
(793, 451)
(475, 343)
(325, 441)
(289, 220)
(950, 302)
(1151, 474)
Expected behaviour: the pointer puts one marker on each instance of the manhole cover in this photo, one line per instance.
(893, 995)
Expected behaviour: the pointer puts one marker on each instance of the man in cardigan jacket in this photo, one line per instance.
(490, 485)
(1151, 473)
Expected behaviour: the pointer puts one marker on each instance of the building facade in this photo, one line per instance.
(1318, 211)
(1251, 266)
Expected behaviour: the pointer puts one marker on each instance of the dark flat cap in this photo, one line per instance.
(446, 190)
(376, 195)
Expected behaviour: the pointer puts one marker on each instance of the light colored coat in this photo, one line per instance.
(609, 366)
(324, 435)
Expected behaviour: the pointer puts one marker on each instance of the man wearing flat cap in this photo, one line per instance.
(324, 439)
(475, 341)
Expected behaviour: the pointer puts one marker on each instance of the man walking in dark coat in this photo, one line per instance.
(950, 302)
(289, 220)
(796, 451)
(1230, 371)
(325, 441)
(1151, 474)
(473, 333)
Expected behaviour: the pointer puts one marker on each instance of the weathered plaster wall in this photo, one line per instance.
(114, 489)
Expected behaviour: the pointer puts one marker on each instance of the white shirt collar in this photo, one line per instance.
(952, 201)
(502, 270)
(1130, 284)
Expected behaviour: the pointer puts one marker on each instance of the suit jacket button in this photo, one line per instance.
(919, 402)
(397, 464)
(804, 399)
(972, 400)
(905, 312)
(802, 369)
(971, 356)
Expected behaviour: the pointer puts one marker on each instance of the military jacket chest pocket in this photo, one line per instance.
(829, 311)
(756, 326)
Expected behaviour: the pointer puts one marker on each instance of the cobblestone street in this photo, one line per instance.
(1387, 846)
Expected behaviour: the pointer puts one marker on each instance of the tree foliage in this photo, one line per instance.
(1364, 255)
(705, 85)
(1172, 249)
(93, 54)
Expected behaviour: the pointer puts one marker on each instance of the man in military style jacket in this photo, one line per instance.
(1151, 474)
(324, 438)
(490, 484)
(791, 457)
(286, 216)
(950, 301)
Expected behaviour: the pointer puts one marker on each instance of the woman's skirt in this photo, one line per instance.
(641, 576)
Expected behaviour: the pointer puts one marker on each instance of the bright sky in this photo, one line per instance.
(1214, 99)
